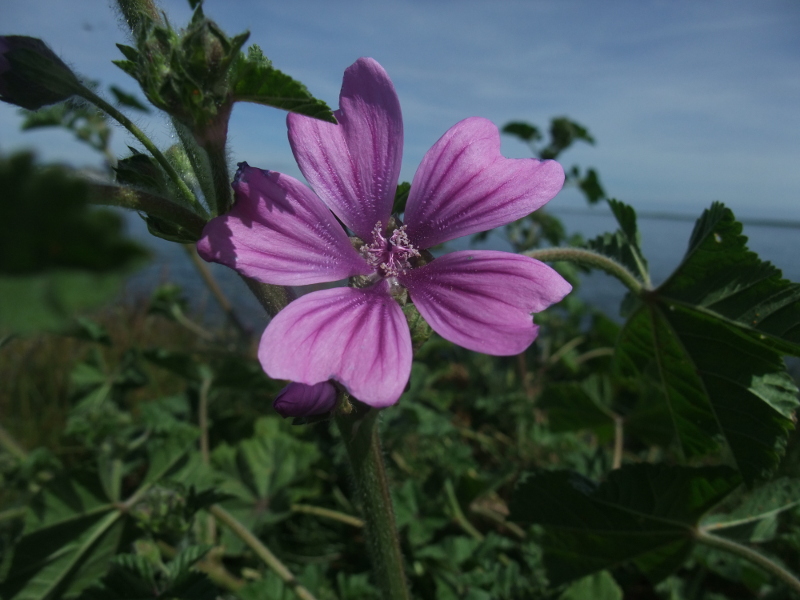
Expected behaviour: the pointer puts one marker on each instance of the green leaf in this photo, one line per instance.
(642, 514)
(169, 231)
(400, 198)
(720, 372)
(68, 537)
(89, 330)
(524, 131)
(142, 171)
(266, 470)
(591, 187)
(721, 277)
(133, 577)
(125, 99)
(179, 568)
(624, 245)
(754, 519)
(254, 79)
(576, 406)
(563, 133)
(600, 586)
(57, 257)
(179, 363)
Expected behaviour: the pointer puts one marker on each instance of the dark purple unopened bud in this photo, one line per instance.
(31, 75)
(300, 400)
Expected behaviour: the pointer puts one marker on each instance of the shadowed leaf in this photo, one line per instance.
(642, 514)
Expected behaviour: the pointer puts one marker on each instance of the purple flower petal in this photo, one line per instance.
(301, 400)
(464, 185)
(483, 300)
(358, 337)
(279, 232)
(353, 166)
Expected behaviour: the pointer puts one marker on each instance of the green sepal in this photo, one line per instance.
(419, 328)
(169, 231)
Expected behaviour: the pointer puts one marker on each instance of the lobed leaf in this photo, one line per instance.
(717, 367)
(624, 245)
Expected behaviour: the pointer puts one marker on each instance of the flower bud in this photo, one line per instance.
(301, 400)
(185, 73)
(31, 75)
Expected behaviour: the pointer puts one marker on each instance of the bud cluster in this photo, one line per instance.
(184, 73)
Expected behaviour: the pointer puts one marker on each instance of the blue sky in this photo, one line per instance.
(690, 102)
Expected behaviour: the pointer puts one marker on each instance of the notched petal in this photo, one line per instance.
(278, 232)
(353, 166)
(483, 300)
(358, 337)
(464, 185)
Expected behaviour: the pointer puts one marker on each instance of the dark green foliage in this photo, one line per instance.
(254, 79)
(624, 245)
(617, 447)
(713, 345)
(524, 131)
(143, 172)
(563, 134)
(641, 513)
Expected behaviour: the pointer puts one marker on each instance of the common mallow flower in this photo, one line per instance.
(280, 232)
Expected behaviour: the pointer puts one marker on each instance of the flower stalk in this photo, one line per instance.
(360, 437)
(157, 206)
(590, 259)
(212, 139)
(709, 539)
(264, 553)
(187, 194)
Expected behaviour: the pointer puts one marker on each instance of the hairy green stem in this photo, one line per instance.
(721, 543)
(590, 259)
(213, 139)
(147, 143)
(125, 197)
(360, 437)
(272, 561)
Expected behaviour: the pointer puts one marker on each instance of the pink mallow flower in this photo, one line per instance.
(279, 232)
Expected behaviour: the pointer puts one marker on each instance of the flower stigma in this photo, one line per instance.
(390, 256)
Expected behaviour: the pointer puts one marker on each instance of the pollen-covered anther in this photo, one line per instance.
(390, 257)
